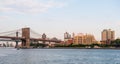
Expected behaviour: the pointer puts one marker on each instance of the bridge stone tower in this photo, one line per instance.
(26, 35)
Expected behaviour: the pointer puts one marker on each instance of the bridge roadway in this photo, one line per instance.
(33, 39)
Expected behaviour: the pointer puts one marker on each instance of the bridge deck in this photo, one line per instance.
(36, 39)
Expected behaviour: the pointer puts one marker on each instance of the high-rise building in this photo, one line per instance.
(67, 38)
(67, 35)
(84, 39)
(107, 36)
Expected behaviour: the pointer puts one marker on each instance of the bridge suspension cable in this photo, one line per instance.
(10, 33)
(35, 34)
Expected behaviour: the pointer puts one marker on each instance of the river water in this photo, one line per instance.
(59, 56)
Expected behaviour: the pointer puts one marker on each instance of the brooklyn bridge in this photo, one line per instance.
(25, 36)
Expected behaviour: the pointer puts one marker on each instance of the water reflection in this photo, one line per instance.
(59, 56)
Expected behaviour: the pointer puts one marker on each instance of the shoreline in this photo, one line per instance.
(63, 48)
(74, 48)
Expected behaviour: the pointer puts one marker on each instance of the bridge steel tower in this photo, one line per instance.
(26, 35)
(16, 46)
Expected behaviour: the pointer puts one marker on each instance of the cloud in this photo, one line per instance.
(3, 17)
(28, 6)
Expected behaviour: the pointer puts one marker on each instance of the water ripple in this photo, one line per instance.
(59, 56)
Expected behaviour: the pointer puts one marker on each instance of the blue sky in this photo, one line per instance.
(54, 17)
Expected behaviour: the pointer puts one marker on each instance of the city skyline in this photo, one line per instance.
(55, 17)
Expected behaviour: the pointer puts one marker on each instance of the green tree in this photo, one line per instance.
(116, 43)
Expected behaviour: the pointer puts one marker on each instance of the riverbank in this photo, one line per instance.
(73, 48)
(62, 48)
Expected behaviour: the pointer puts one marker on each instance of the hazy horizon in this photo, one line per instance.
(55, 17)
